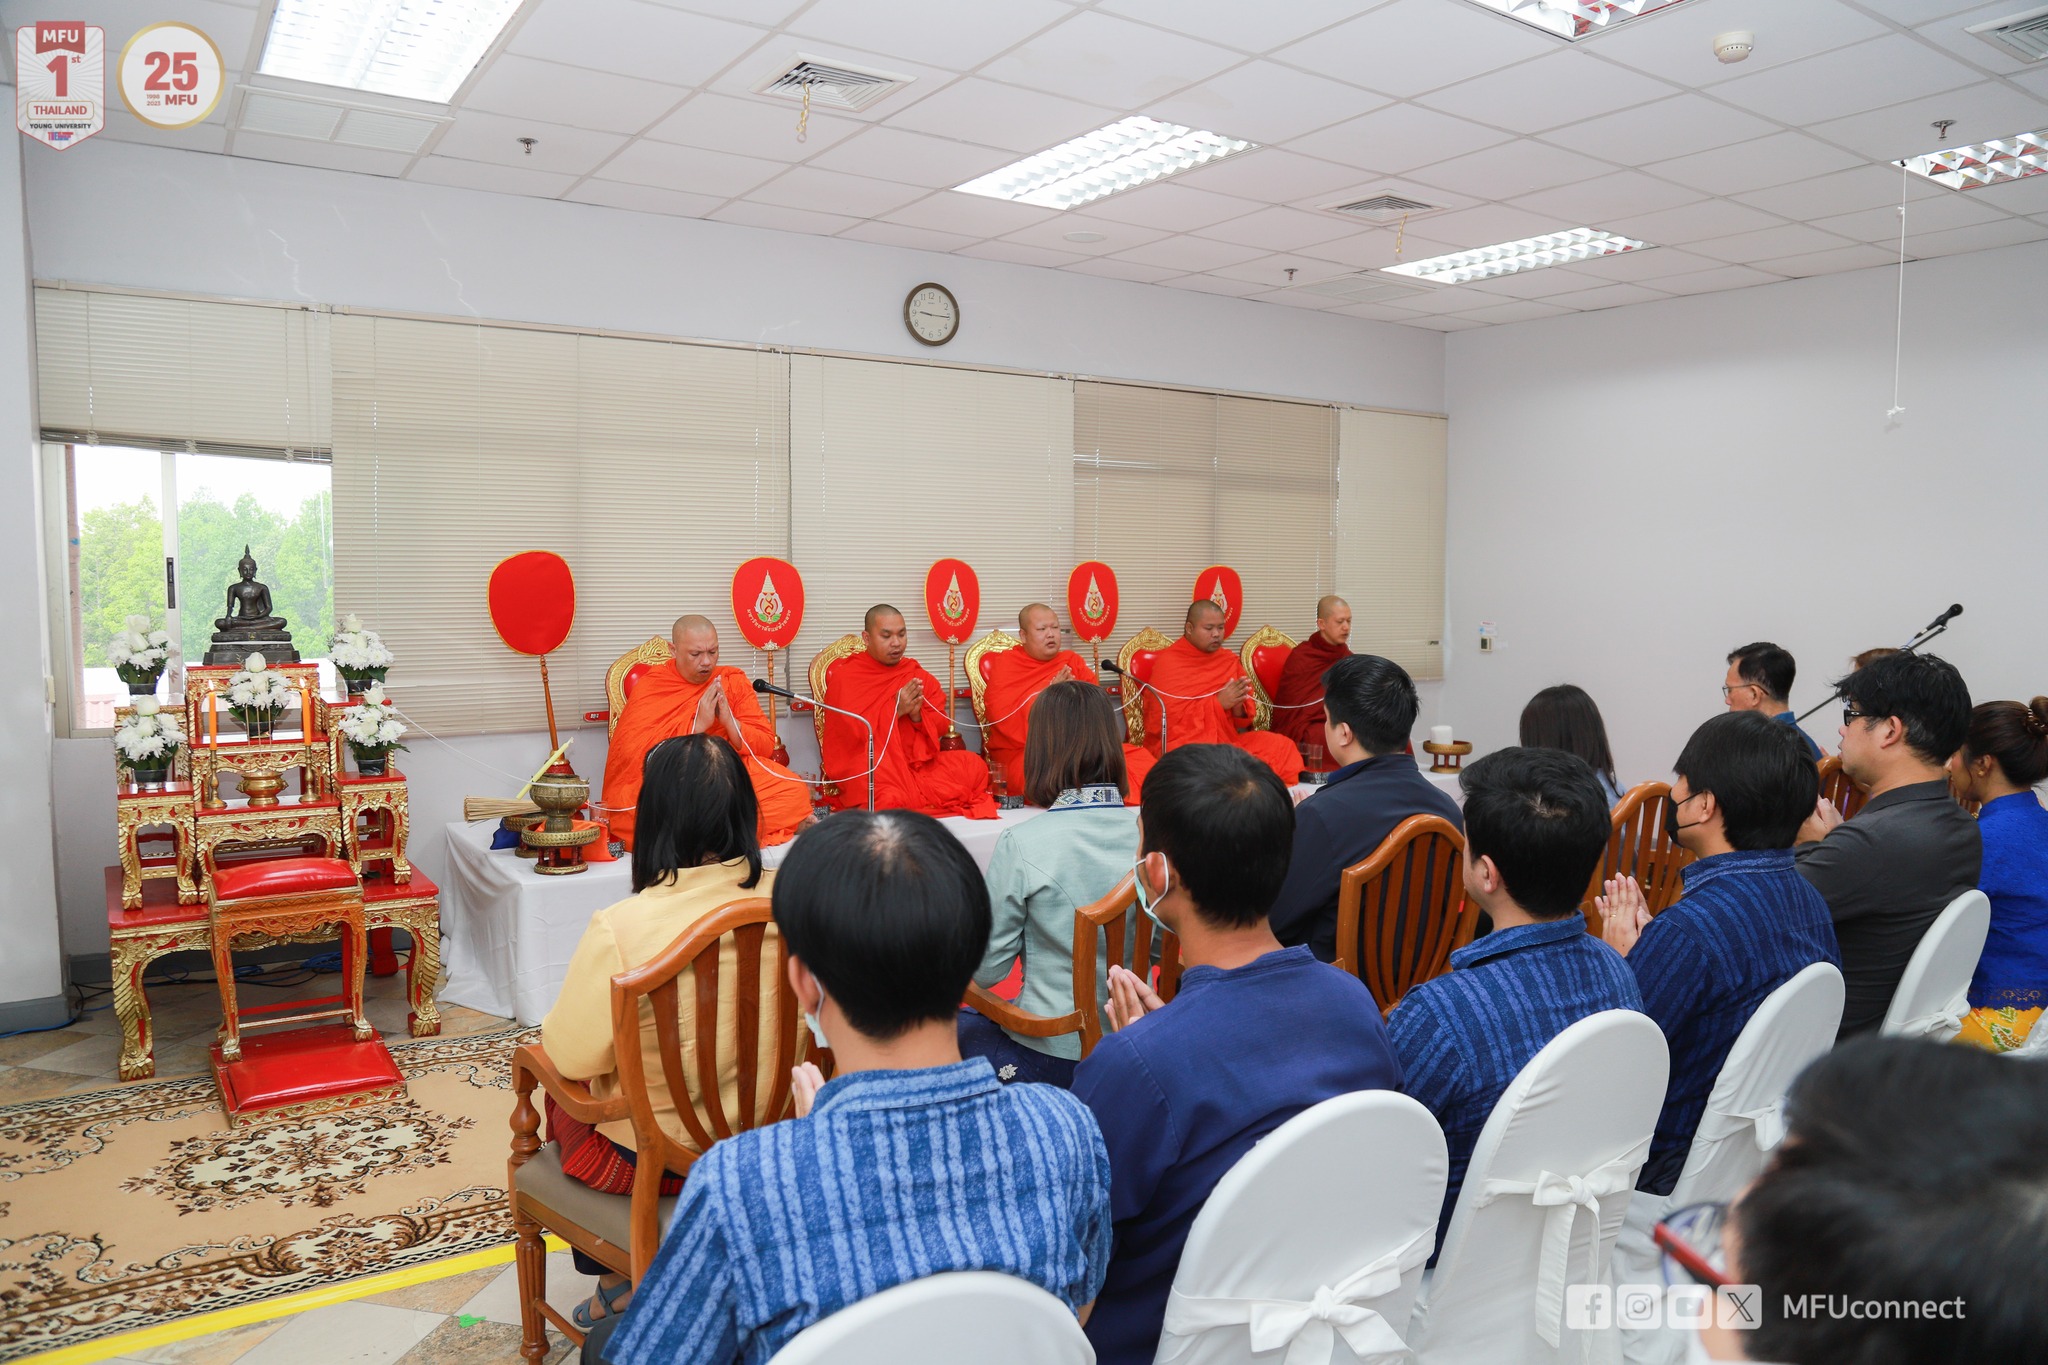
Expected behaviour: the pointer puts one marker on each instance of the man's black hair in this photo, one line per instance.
(1769, 666)
(1226, 824)
(1926, 694)
(1542, 818)
(1375, 697)
(1759, 773)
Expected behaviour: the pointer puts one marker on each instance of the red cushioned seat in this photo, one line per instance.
(282, 877)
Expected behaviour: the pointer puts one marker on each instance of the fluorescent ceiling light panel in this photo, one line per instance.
(1509, 258)
(1997, 162)
(1572, 20)
(1128, 153)
(415, 49)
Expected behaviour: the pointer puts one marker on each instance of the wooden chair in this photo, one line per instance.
(1639, 847)
(1264, 654)
(1103, 933)
(729, 950)
(1835, 785)
(1135, 659)
(627, 669)
(1402, 911)
(980, 655)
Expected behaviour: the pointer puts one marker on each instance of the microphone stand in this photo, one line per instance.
(761, 685)
(1144, 687)
(1938, 626)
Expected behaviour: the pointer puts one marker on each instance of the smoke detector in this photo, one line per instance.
(1734, 45)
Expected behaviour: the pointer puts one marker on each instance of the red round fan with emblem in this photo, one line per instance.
(533, 601)
(768, 601)
(1092, 601)
(1220, 584)
(952, 598)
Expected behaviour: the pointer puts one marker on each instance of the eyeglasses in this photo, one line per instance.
(1691, 1242)
(1850, 713)
(1726, 689)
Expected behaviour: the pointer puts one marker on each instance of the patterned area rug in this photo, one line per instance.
(133, 1206)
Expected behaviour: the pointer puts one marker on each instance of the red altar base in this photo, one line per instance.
(303, 1073)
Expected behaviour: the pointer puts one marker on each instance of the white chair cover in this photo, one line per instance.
(1744, 1122)
(1569, 1134)
(1314, 1242)
(1934, 994)
(977, 1315)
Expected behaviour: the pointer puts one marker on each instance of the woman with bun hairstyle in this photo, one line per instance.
(2004, 757)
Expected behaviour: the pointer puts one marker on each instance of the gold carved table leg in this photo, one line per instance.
(423, 969)
(131, 958)
(128, 823)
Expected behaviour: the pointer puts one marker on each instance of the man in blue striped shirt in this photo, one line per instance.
(1535, 828)
(910, 1162)
(1747, 923)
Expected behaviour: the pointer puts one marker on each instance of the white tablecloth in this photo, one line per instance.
(507, 932)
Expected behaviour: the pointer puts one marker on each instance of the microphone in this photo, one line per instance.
(763, 686)
(1951, 614)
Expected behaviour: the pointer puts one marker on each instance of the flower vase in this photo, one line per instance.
(258, 724)
(371, 762)
(142, 689)
(150, 778)
(356, 685)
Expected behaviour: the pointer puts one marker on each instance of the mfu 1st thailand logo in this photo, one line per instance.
(60, 81)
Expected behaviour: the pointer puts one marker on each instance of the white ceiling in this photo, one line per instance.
(1774, 168)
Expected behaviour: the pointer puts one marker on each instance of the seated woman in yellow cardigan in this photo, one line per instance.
(697, 850)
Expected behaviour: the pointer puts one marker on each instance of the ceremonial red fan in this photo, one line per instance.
(533, 604)
(1092, 601)
(1220, 584)
(768, 602)
(952, 598)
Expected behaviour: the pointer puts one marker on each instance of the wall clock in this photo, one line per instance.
(932, 314)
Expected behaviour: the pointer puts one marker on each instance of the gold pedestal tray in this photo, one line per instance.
(558, 852)
(1448, 756)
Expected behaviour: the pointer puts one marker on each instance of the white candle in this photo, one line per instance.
(1440, 734)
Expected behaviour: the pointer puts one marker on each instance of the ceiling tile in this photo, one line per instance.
(1984, 237)
(1017, 253)
(1234, 24)
(1860, 187)
(1920, 11)
(1280, 229)
(1489, 224)
(629, 38)
(327, 155)
(1265, 102)
(1115, 236)
(1606, 296)
(1669, 128)
(2018, 196)
(780, 218)
(1561, 88)
(765, 13)
(1191, 253)
(1756, 165)
(1295, 298)
(1857, 257)
(1693, 222)
(1948, 32)
(1111, 268)
(1111, 61)
(1951, 210)
(973, 215)
(495, 138)
(1270, 176)
(751, 127)
(1655, 263)
(526, 87)
(1713, 281)
(1512, 170)
(1744, 248)
(1174, 207)
(1213, 284)
(917, 239)
(1869, 75)
(1001, 116)
(1678, 43)
(1592, 202)
(476, 175)
(691, 169)
(209, 136)
(911, 158)
(941, 33)
(855, 196)
(1521, 310)
(1398, 139)
(1450, 324)
(1376, 312)
(1981, 112)
(1450, 299)
(643, 198)
(1532, 284)
(1271, 271)
(1415, 45)
(1377, 248)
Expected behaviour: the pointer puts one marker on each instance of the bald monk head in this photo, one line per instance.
(695, 641)
(1205, 627)
(1333, 619)
(1039, 626)
(885, 635)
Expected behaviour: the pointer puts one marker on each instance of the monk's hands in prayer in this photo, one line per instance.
(1130, 999)
(805, 1082)
(1819, 824)
(1234, 692)
(708, 707)
(910, 698)
(1623, 913)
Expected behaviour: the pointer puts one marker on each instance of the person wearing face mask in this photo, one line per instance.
(1256, 1034)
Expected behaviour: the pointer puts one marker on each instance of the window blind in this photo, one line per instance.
(894, 466)
(182, 374)
(652, 467)
(1390, 541)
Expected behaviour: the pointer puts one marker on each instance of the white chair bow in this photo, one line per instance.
(1564, 1196)
(1940, 1026)
(1307, 1330)
(1766, 1125)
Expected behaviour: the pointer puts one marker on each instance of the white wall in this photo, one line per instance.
(1635, 492)
(249, 229)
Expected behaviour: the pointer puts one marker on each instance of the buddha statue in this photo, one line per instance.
(249, 627)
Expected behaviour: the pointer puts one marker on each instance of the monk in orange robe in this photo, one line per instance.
(904, 704)
(1208, 697)
(693, 695)
(1017, 676)
(1298, 696)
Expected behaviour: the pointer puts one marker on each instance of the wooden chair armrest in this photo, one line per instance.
(530, 1065)
(994, 1007)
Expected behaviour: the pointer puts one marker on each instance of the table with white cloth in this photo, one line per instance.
(507, 932)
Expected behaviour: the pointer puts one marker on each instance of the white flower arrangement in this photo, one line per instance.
(138, 653)
(255, 688)
(149, 737)
(357, 652)
(372, 724)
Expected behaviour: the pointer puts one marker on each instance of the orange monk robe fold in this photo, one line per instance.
(1014, 681)
(912, 772)
(1298, 695)
(664, 705)
(1186, 672)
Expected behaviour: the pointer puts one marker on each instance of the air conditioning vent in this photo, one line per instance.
(832, 85)
(287, 117)
(1382, 208)
(286, 114)
(1367, 286)
(2022, 35)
